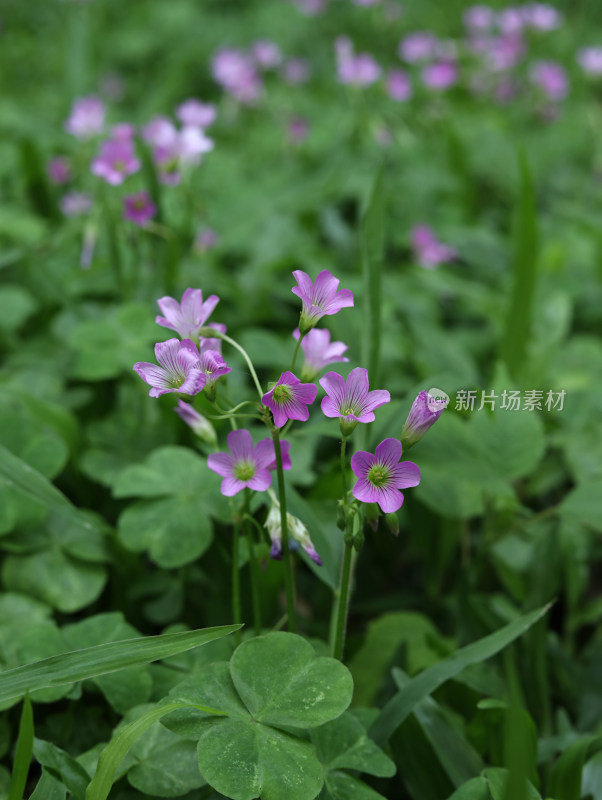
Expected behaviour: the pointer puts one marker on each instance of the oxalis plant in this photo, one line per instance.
(270, 719)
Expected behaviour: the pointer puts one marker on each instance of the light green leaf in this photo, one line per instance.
(474, 789)
(16, 305)
(309, 691)
(62, 765)
(344, 744)
(101, 660)
(403, 703)
(584, 505)
(567, 771)
(340, 786)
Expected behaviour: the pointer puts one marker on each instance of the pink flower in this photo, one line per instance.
(551, 78)
(245, 466)
(399, 86)
(59, 170)
(206, 239)
(74, 204)
(87, 117)
(311, 8)
(212, 363)
(440, 75)
(235, 71)
(179, 369)
(380, 476)
(285, 447)
(210, 343)
(295, 70)
(350, 400)
(319, 351)
(320, 298)
(266, 54)
(355, 70)
(542, 17)
(188, 317)
(115, 162)
(138, 208)
(123, 131)
(289, 398)
(160, 132)
(479, 18)
(196, 114)
(418, 46)
(590, 60)
(425, 411)
(428, 251)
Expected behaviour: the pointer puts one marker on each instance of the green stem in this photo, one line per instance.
(343, 604)
(236, 613)
(254, 567)
(212, 333)
(299, 340)
(344, 471)
(286, 556)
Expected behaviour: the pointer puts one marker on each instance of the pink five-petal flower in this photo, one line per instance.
(319, 351)
(351, 401)
(115, 161)
(289, 398)
(179, 370)
(244, 466)
(380, 476)
(213, 365)
(320, 298)
(187, 317)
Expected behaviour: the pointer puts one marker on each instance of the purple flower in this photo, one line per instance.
(440, 75)
(380, 476)
(179, 371)
(479, 18)
(206, 239)
(285, 447)
(166, 160)
(245, 465)
(212, 363)
(160, 132)
(551, 78)
(87, 117)
(425, 411)
(123, 131)
(194, 113)
(197, 422)
(189, 316)
(311, 8)
(590, 60)
(320, 298)
(399, 85)
(542, 17)
(295, 70)
(74, 204)
(138, 208)
(289, 398)
(266, 54)
(116, 161)
(209, 343)
(501, 52)
(319, 351)
(235, 71)
(511, 20)
(355, 70)
(350, 400)
(428, 251)
(418, 46)
(59, 170)
(192, 144)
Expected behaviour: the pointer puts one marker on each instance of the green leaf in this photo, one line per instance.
(341, 786)
(49, 788)
(62, 765)
(403, 703)
(567, 771)
(518, 319)
(23, 753)
(343, 743)
(474, 789)
(19, 476)
(174, 526)
(457, 756)
(244, 760)
(16, 306)
(101, 660)
(584, 505)
(498, 779)
(309, 692)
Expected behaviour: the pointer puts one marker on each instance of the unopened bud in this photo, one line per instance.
(199, 424)
(426, 410)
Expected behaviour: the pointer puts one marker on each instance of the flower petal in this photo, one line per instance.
(390, 499)
(231, 486)
(171, 311)
(377, 398)
(261, 480)
(388, 452)
(361, 462)
(329, 407)
(222, 463)
(334, 386)
(364, 491)
(240, 443)
(405, 475)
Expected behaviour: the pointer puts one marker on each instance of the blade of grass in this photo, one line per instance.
(403, 703)
(90, 662)
(23, 752)
(371, 249)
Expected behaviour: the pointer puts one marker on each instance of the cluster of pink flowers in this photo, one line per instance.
(240, 72)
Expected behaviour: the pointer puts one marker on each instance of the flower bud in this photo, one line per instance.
(298, 533)
(199, 424)
(426, 410)
(392, 521)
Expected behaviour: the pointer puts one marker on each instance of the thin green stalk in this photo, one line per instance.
(294, 361)
(286, 556)
(236, 613)
(212, 333)
(254, 567)
(343, 601)
(344, 471)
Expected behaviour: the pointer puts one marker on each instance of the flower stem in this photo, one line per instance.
(299, 340)
(286, 556)
(254, 567)
(343, 601)
(211, 332)
(236, 613)
(344, 471)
